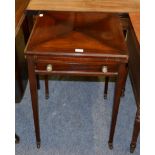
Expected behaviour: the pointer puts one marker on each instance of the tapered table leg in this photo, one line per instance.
(136, 130)
(46, 87)
(118, 91)
(123, 90)
(38, 82)
(106, 87)
(34, 98)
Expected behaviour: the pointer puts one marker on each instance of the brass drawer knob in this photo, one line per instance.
(49, 68)
(41, 15)
(104, 69)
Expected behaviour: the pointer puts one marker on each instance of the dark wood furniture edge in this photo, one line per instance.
(20, 14)
(134, 80)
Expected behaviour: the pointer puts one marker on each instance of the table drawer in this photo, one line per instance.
(87, 67)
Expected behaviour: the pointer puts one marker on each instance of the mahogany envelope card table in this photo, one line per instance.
(77, 44)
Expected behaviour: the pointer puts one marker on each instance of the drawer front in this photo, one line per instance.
(76, 67)
(74, 64)
(95, 66)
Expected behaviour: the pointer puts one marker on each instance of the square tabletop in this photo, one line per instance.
(74, 33)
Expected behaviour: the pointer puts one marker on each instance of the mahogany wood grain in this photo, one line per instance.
(85, 5)
(74, 30)
(46, 87)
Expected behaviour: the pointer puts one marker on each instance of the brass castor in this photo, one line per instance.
(132, 148)
(110, 145)
(47, 96)
(38, 145)
(105, 96)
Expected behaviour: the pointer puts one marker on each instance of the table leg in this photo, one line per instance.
(123, 90)
(106, 87)
(46, 87)
(34, 98)
(18, 76)
(136, 130)
(118, 91)
(38, 82)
